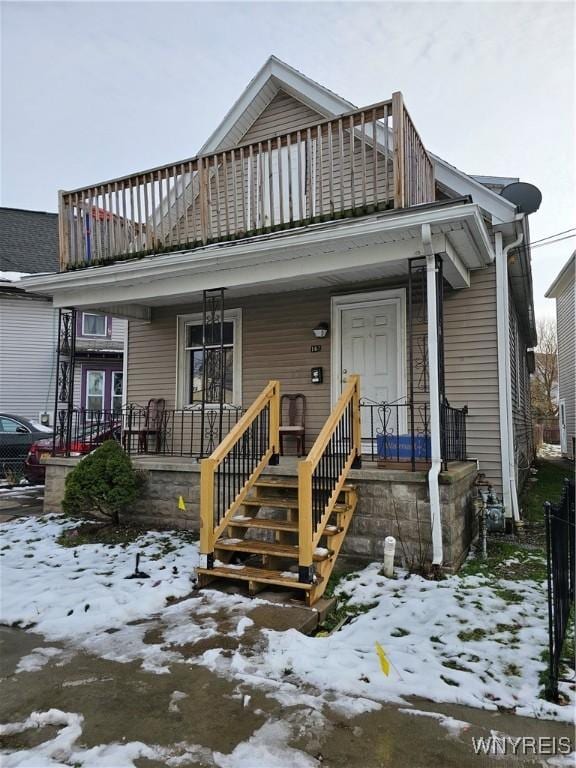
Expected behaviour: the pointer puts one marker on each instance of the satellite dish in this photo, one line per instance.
(526, 197)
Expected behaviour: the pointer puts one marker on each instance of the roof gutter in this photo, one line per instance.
(509, 489)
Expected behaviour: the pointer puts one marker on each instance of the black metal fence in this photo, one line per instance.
(400, 432)
(560, 529)
(146, 430)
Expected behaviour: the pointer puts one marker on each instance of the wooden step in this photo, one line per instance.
(255, 547)
(264, 523)
(280, 503)
(290, 483)
(259, 575)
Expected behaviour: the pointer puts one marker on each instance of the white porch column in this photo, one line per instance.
(435, 447)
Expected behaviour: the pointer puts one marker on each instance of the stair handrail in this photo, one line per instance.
(337, 449)
(231, 470)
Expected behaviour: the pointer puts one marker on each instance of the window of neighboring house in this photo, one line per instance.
(220, 363)
(95, 390)
(94, 325)
(117, 384)
(102, 389)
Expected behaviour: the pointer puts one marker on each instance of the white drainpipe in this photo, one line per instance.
(509, 490)
(436, 453)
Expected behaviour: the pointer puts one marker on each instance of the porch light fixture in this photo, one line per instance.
(321, 330)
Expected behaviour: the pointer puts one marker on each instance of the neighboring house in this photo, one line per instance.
(342, 247)
(562, 289)
(29, 328)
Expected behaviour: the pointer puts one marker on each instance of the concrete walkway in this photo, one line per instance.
(21, 501)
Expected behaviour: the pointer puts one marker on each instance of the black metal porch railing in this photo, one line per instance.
(399, 432)
(184, 433)
(560, 545)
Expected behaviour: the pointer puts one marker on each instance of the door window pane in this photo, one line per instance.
(95, 390)
(117, 383)
(93, 325)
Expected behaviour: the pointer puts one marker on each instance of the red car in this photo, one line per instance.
(81, 445)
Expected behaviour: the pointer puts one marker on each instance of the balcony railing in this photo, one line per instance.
(399, 433)
(367, 160)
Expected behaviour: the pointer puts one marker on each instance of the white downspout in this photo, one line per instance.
(436, 452)
(509, 490)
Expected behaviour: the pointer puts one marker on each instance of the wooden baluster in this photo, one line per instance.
(320, 174)
(352, 148)
(386, 152)
(253, 190)
(363, 157)
(96, 225)
(301, 186)
(194, 197)
(116, 220)
(374, 160)
(245, 181)
(235, 200)
(75, 228)
(109, 223)
(132, 233)
(308, 180)
(161, 214)
(124, 218)
(153, 212)
(261, 183)
(147, 222)
(399, 149)
(331, 169)
(178, 202)
(280, 184)
(271, 183)
(341, 142)
(217, 191)
(290, 196)
(225, 176)
(202, 202)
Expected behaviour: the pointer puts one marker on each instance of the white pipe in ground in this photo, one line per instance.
(389, 551)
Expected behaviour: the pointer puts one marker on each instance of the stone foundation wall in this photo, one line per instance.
(390, 503)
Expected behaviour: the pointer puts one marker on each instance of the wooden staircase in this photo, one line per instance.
(272, 531)
(260, 543)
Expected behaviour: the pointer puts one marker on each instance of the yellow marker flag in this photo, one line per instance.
(181, 504)
(384, 663)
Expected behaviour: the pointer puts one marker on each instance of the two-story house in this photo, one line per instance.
(564, 291)
(29, 328)
(317, 251)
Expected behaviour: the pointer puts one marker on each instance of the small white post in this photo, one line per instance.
(389, 551)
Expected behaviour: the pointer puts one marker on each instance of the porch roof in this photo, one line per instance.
(341, 252)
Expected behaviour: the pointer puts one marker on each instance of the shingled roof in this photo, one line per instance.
(28, 241)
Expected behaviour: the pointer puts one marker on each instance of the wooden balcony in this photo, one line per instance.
(367, 160)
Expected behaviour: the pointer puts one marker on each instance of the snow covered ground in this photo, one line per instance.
(549, 451)
(472, 640)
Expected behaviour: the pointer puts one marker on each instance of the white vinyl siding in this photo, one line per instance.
(566, 321)
(28, 331)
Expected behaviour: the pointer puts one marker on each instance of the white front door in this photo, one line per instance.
(371, 345)
(369, 336)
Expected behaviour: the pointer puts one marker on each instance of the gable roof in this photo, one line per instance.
(276, 75)
(563, 279)
(28, 241)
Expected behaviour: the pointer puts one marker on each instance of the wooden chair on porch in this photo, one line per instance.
(292, 421)
(152, 422)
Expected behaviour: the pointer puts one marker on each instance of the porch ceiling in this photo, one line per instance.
(338, 253)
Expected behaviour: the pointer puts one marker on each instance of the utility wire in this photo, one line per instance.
(556, 234)
(552, 242)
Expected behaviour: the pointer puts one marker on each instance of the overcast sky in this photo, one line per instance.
(96, 90)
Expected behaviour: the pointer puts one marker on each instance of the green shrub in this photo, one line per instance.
(104, 481)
